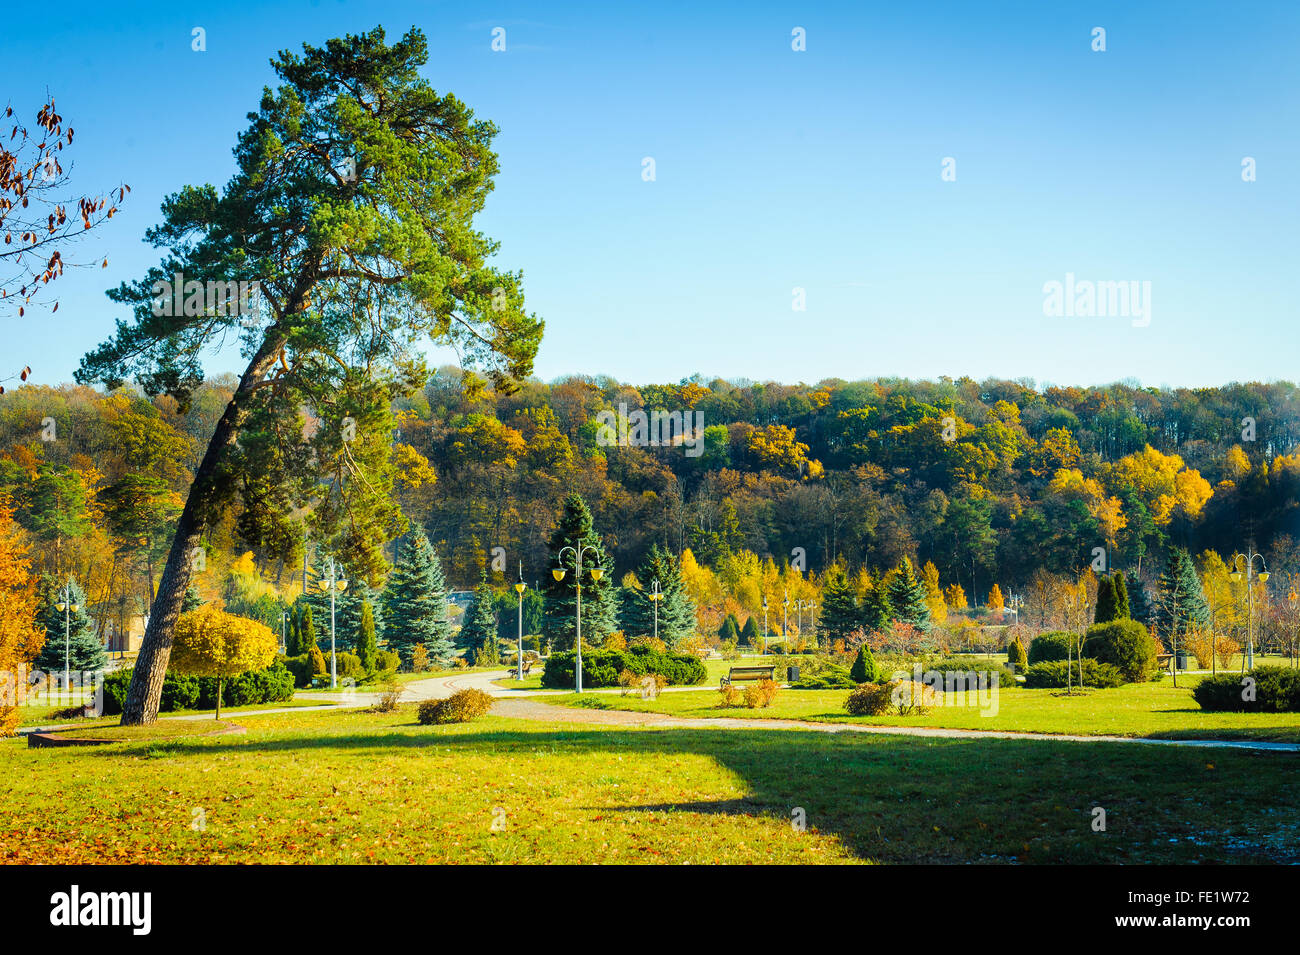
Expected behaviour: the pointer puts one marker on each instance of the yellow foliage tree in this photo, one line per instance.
(1162, 482)
(955, 597)
(996, 601)
(934, 593)
(211, 642)
(20, 638)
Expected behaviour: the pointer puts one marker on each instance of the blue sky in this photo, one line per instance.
(775, 169)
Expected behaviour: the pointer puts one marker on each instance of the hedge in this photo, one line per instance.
(1277, 690)
(1085, 672)
(272, 685)
(1053, 645)
(602, 667)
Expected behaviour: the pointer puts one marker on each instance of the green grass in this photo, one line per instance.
(44, 716)
(163, 729)
(1144, 709)
(364, 787)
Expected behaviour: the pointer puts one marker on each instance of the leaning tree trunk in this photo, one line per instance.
(201, 507)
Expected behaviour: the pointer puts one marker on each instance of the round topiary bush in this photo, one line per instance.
(1126, 645)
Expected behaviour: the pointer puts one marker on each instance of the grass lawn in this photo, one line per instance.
(163, 729)
(43, 716)
(362, 787)
(1144, 709)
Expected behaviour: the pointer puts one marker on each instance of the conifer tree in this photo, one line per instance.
(1106, 609)
(1182, 605)
(840, 614)
(478, 635)
(877, 611)
(749, 635)
(676, 609)
(415, 603)
(865, 669)
(599, 617)
(1123, 606)
(729, 629)
(907, 598)
(82, 650)
(366, 642)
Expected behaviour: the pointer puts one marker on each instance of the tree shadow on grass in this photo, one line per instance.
(906, 799)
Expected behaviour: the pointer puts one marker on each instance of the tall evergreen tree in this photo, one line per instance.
(876, 609)
(749, 635)
(676, 609)
(907, 598)
(730, 629)
(840, 614)
(1141, 608)
(83, 650)
(1181, 600)
(478, 634)
(415, 602)
(599, 616)
(1106, 609)
(366, 642)
(1123, 606)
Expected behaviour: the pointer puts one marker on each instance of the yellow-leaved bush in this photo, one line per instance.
(210, 642)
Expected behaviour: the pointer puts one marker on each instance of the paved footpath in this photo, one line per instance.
(520, 704)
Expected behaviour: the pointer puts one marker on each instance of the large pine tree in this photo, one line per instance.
(907, 598)
(599, 617)
(749, 635)
(840, 614)
(83, 650)
(676, 609)
(478, 634)
(876, 609)
(415, 602)
(1181, 600)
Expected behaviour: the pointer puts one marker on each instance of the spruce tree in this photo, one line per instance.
(366, 642)
(1106, 609)
(478, 635)
(307, 631)
(729, 629)
(907, 598)
(83, 650)
(1182, 605)
(876, 609)
(749, 635)
(1140, 607)
(192, 600)
(840, 615)
(415, 603)
(599, 617)
(676, 609)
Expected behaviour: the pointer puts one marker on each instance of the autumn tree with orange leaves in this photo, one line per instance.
(20, 638)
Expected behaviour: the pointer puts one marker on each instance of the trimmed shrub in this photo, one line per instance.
(386, 661)
(870, 699)
(1276, 690)
(272, 685)
(1085, 672)
(1126, 645)
(1053, 645)
(602, 667)
(461, 707)
(864, 667)
(1016, 656)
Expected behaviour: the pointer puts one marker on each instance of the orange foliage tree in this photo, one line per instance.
(20, 638)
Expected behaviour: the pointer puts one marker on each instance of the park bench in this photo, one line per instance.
(738, 674)
(1164, 661)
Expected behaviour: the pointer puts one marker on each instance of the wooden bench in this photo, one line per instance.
(1165, 661)
(738, 674)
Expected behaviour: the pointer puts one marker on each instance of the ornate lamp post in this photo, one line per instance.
(66, 606)
(1237, 575)
(520, 587)
(334, 584)
(785, 620)
(655, 596)
(558, 573)
(764, 624)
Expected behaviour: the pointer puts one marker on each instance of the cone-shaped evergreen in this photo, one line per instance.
(599, 616)
(366, 643)
(192, 600)
(1122, 604)
(840, 615)
(415, 602)
(730, 629)
(865, 669)
(676, 609)
(1182, 605)
(907, 598)
(1140, 606)
(478, 634)
(1107, 609)
(83, 650)
(749, 635)
(876, 609)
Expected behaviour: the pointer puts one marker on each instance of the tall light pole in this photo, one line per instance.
(334, 585)
(596, 573)
(284, 631)
(520, 587)
(66, 606)
(764, 624)
(785, 620)
(655, 596)
(1249, 560)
